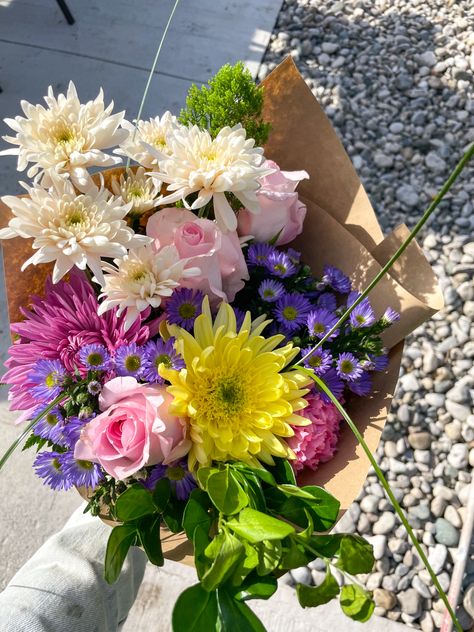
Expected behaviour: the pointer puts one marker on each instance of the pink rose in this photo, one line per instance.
(135, 429)
(218, 255)
(281, 211)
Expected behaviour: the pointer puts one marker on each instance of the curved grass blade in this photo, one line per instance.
(389, 493)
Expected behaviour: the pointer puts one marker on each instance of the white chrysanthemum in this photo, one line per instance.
(137, 189)
(210, 167)
(69, 228)
(152, 133)
(142, 279)
(67, 136)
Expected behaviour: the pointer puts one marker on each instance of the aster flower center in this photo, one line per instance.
(85, 465)
(55, 464)
(346, 366)
(51, 419)
(290, 313)
(132, 363)
(187, 310)
(163, 358)
(315, 361)
(95, 358)
(175, 473)
(318, 328)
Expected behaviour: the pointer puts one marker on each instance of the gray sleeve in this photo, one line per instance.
(62, 587)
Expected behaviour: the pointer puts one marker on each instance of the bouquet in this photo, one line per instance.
(178, 352)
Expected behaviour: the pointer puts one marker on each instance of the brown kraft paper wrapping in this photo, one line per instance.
(340, 229)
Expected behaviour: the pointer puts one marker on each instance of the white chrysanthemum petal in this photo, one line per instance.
(147, 144)
(139, 190)
(143, 278)
(69, 228)
(64, 134)
(211, 167)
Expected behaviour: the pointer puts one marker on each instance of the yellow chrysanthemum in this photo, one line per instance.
(238, 399)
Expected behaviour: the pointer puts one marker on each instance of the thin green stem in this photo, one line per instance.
(390, 494)
(152, 72)
(28, 428)
(426, 215)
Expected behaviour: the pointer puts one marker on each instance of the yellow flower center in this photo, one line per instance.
(187, 310)
(50, 379)
(132, 363)
(51, 419)
(163, 358)
(290, 313)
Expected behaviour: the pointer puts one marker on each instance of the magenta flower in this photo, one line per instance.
(57, 327)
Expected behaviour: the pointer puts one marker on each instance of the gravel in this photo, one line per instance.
(396, 79)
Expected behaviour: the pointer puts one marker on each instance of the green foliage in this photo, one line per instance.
(195, 611)
(311, 596)
(34, 441)
(356, 602)
(120, 540)
(226, 492)
(230, 97)
(134, 503)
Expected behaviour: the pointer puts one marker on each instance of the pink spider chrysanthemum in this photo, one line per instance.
(57, 327)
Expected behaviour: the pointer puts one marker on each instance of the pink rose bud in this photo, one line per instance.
(218, 255)
(134, 429)
(281, 212)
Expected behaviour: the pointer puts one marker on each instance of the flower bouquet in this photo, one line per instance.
(179, 352)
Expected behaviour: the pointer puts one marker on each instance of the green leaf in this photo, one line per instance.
(252, 488)
(263, 474)
(294, 555)
(324, 507)
(256, 587)
(196, 513)
(203, 474)
(195, 611)
(226, 551)
(173, 516)
(256, 526)
(226, 492)
(135, 502)
(283, 472)
(34, 440)
(269, 556)
(149, 535)
(311, 596)
(356, 555)
(161, 494)
(356, 602)
(235, 615)
(246, 565)
(120, 540)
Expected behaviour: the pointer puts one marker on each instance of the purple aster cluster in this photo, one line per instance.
(306, 310)
(184, 307)
(160, 352)
(60, 470)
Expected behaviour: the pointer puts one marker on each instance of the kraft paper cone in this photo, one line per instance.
(340, 229)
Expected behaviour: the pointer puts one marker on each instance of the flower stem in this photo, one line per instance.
(152, 72)
(390, 494)
(28, 428)
(421, 222)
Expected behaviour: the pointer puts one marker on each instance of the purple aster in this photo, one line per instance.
(182, 481)
(319, 361)
(184, 307)
(294, 255)
(95, 357)
(334, 384)
(94, 388)
(348, 367)
(362, 315)
(257, 254)
(270, 290)
(48, 466)
(239, 316)
(46, 378)
(390, 316)
(280, 265)
(72, 429)
(291, 311)
(362, 386)
(160, 352)
(336, 279)
(320, 321)
(50, 426)
(380, 363)
(79, 472)
(129, 360)
(327, 300)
